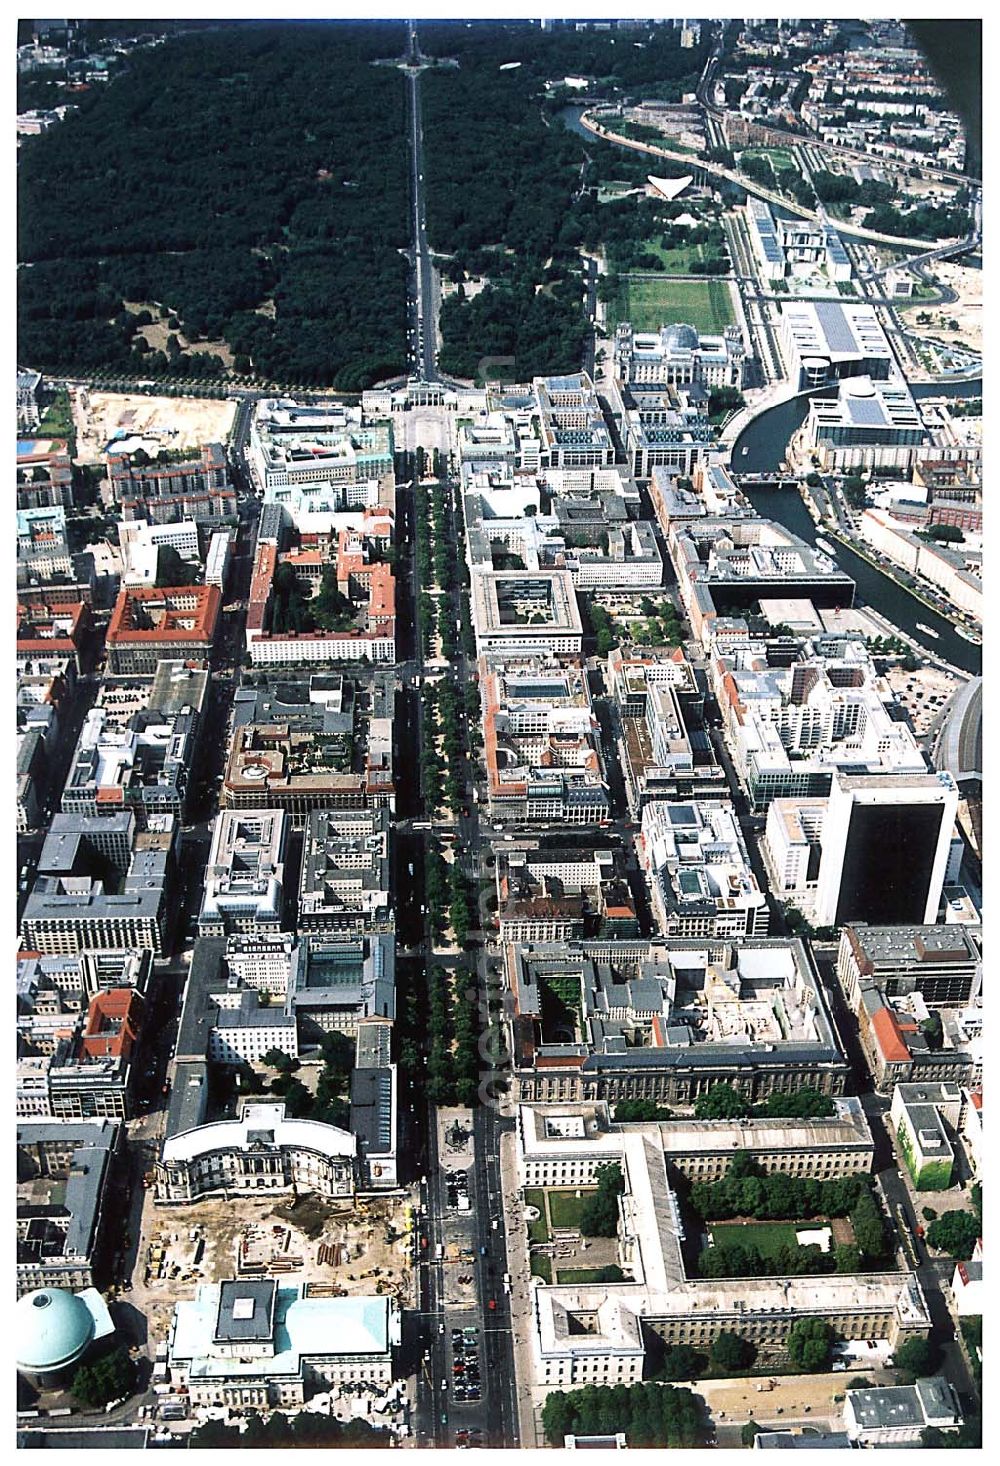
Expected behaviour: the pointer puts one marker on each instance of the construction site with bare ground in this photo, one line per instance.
(338, 1249)
(164, 423)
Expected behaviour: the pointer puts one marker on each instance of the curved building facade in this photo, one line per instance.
(262, 1151)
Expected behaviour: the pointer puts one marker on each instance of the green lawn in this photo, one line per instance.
(677, 261)
(649, 304)
(541, 1267)
(537, 1231)
(57, 421)
(565, 1208)
(579, 1274)
(767, 1237)
(778, 157)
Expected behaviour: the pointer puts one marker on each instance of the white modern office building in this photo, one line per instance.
(520, 614)
(823, 341)
(868, 425)
(786, 247)
(245, 873)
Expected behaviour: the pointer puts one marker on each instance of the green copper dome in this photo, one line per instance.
(52, 1329)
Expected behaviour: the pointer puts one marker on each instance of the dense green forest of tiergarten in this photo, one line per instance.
(512, 193)
(244, 190)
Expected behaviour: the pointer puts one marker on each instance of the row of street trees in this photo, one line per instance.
(648, 1414)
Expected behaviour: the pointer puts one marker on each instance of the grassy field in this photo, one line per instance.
(778, 157)
(649, 304)
(565, 1208)
(537, 1231)
(677, 261)
(57, 421)
(767, 1237)
(541, 1267)
(579, 1275)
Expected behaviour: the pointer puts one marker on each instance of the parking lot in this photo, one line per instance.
(464, 1365)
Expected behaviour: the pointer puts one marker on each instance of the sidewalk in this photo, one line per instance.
(521, 1309)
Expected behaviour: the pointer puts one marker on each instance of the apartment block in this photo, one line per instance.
(245, 874)
(792, 725)
(52, 632)
(149, 625)
(958, 574)
(549, 894)
(541, 745)
(369, 584)
(44, 473)
(344, 879)
(699, 873)
(903, 1044)
(169, 485)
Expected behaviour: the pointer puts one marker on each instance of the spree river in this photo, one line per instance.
(760, 449)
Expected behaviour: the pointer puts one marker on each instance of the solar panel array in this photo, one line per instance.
(835, 326)
(835, 250)
(867, 411)
(767, 234)
(384, 1090)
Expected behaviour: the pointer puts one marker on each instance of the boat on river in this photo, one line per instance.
(968, 636)
(928, 630)
(827, 549)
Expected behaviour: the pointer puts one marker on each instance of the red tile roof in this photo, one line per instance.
(889, 1037)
